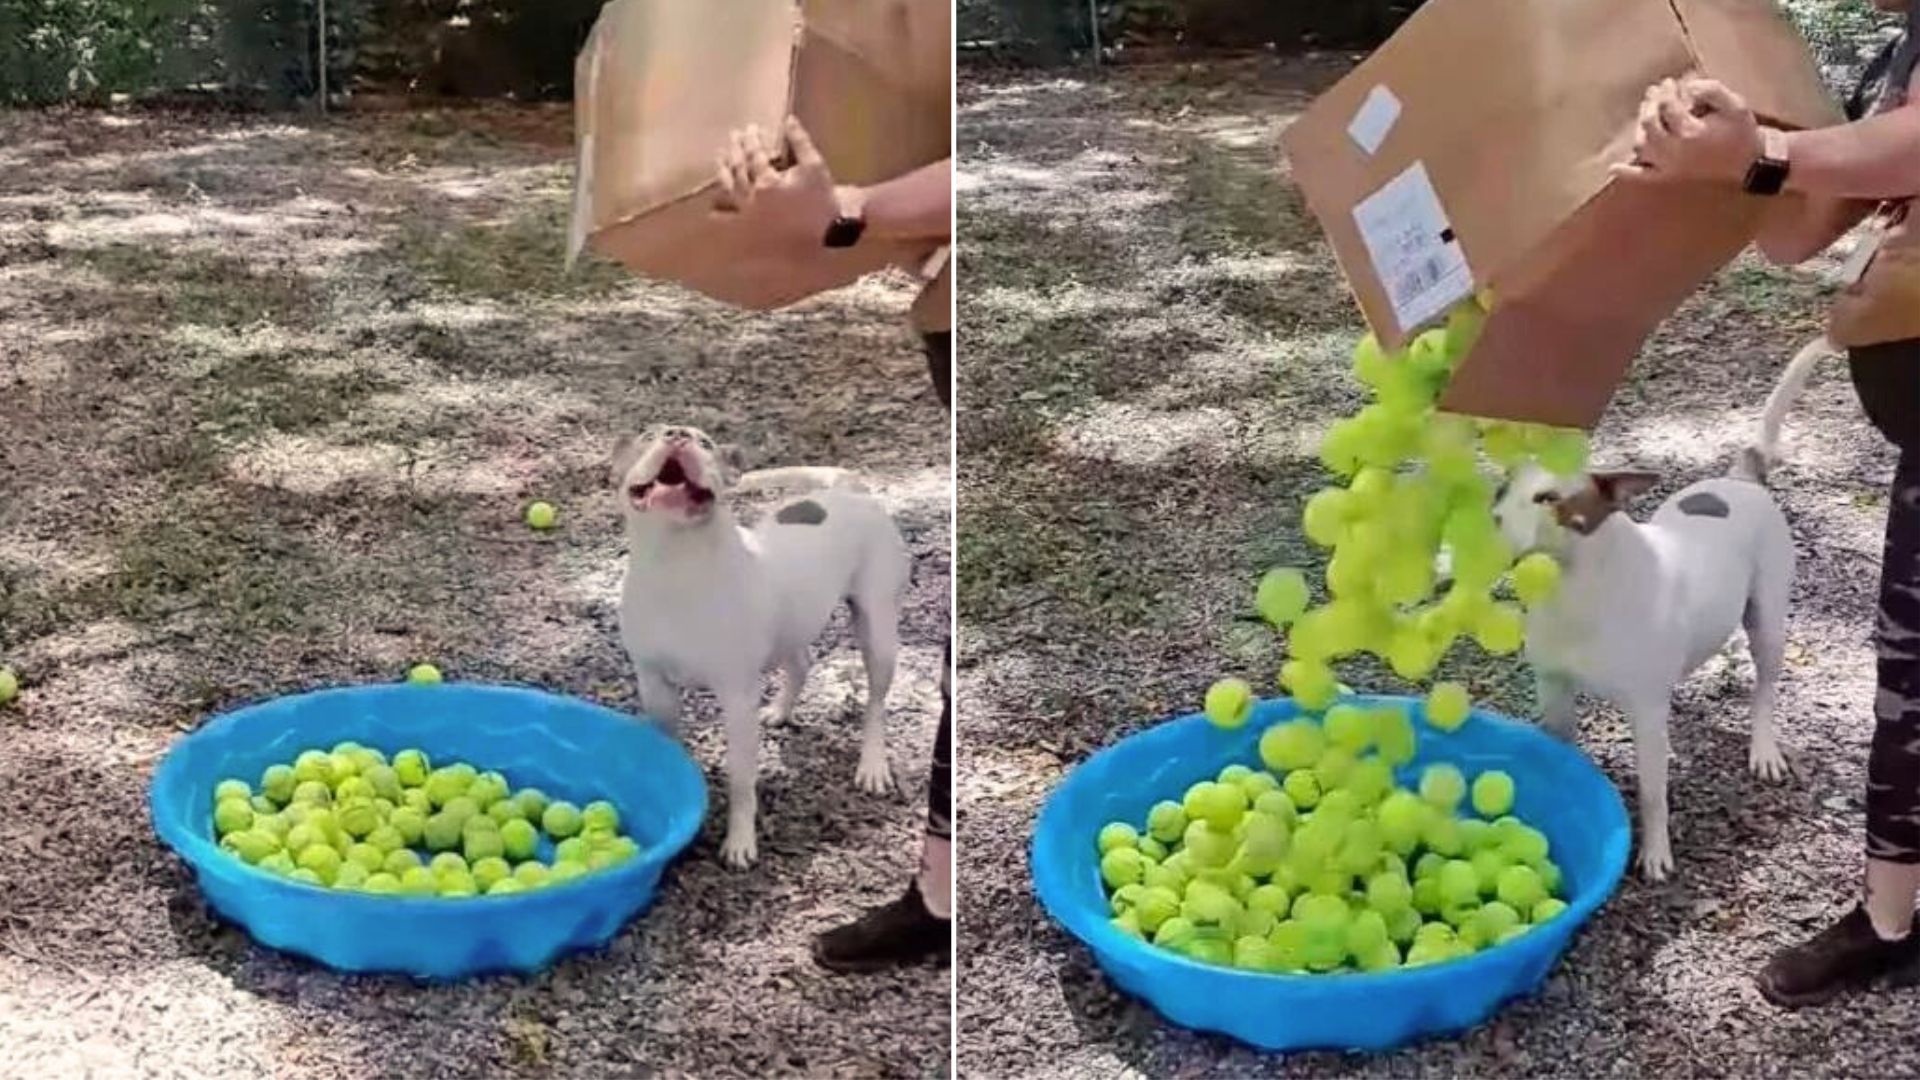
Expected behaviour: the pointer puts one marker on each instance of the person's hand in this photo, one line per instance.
(791, 205)
(1693, 130)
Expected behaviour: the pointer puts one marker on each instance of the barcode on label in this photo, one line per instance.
(1423, 276)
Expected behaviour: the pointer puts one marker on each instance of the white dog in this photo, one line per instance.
(708, 603)
(1641, 607)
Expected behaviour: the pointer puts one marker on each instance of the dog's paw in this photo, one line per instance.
(1766, 761)
(740, 850)
(873, 775)
(1656, 861)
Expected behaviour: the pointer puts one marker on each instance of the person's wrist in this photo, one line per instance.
(849, 219)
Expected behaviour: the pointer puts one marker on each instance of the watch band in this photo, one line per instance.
(844, 231)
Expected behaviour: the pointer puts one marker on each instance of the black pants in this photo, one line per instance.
(1887, 378)
(940, 783)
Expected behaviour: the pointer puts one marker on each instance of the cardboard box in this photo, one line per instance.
(1472, 150)
(661, 84)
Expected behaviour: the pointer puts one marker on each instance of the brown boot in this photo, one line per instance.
(1848, 954)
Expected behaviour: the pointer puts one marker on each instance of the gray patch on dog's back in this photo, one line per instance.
(1704, 504)
(804, 512)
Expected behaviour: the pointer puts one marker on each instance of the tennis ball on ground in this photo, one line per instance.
(1295, 744)
(1282, 596)
(540, 515)
(412, 767)
(1116, 834)
(424, 675)
(232, 816)
(1448, 706)
(561, 820)
(1492, 793)
(441, 833)
(1443, 786)
(322, 860)
(1229, 702)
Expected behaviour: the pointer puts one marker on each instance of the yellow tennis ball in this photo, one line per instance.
(540, 515)
(1229, 702)
(9, 685)
(424, 675)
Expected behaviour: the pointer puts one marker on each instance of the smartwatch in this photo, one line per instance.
(844, 231)
(1768, 173)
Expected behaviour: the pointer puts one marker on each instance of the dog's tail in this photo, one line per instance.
(800, 478)
(1760, 456)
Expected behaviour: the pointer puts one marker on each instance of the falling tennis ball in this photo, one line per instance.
(1228, 703)
(1536, 578)
(1448, 705)
(1492, 793)
(1349, 727)
(1219, 805)
(1325, 516)
(561, 820)
(1303, 788)
(1295, 744)
(1500, 630)
(412, 767)
(424, 675)
(1564, 452)
(1402, 816)
(1342, 446)
(540, 515)
(1311, 684)
(1370, 781)
(1281, 596)
(1393, 736)
(1443, 786)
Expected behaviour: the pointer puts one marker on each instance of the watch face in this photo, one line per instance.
(1766, 177)
(844, 232)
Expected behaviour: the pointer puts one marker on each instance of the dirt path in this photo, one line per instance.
(1156, 338)
(272, 397)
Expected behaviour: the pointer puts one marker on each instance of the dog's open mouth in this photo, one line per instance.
(672, 488)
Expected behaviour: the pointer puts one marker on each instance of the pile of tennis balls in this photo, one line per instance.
(1415, 488)
(1313, 860)
(350, 818)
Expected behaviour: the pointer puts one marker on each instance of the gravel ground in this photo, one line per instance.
(1157, 337)
(272, 397)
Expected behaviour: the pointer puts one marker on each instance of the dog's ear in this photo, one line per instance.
(1621, 488)
(626, 451)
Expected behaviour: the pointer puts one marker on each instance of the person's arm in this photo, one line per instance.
(916, 206)
(1875, 158)
(1794, 234)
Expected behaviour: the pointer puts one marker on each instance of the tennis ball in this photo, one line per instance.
(1208, 904)
(1365, 933)
(1548, 909)
(1116, 834)
(461, 809)
(419, 881)
(305, 876)
(533, 803)
(600, 859)
(1443, 786)
(1393, 736)
(1500, 629)
(350, 786)
(1219, 805)
(1325, 516)
(1370, 781)
(505, 887)
(1487, 865)
(1458, 883)
(1341, 446)
(488, 870)
(456, 885)
(1442, 834)
(274, 825)
(344, 767)
(412, 767)
(313, 792)
(623, 848)
(232, 816)
(572, 849)
(1529, 845)
(505, 810)
(483, 843)
(563, 872)
(381, 884)
(1303, 788)
(277, 783)
(383, 781)
(1476, 835)
(1121, 866)
(1207, 846)
(488, 788)
(448, 862)
(386, 839)
(1334, 767)
(600, 814)
(1402, 817)
(1295, 744)
(1229, 702)
(540, 516)
(367, 857)
(251, 846)
(322, 860)
(443, 786)
(1492, 793)
(1166, 821)
(1348, 727)
(231, 789)
(359, 818)
(313, 766)
(415, 798)
(1256, 784)
(519, 839)
(1410, 654)
(1536, 578)
(561, 820)
(9, 685)
(1564, 452)
(351, 876)
(533, 875)
(411, 824)
(1520, 887)
(441, 833)
(399, 862)
(1448, 706)
(423, 675)
(1282, 596)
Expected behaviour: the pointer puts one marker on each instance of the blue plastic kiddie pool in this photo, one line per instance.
(1560, 793)
(568, 748)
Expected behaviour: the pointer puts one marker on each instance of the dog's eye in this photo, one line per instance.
(1547, 497)
(706, 442)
